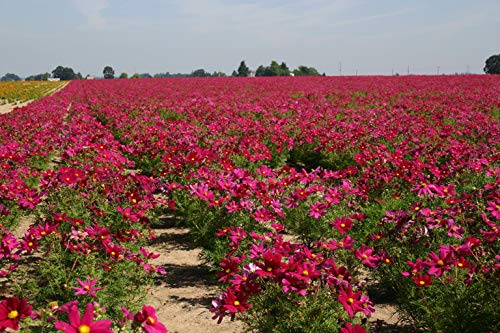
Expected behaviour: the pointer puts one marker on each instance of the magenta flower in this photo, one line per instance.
(12, 310)
(87, 287)
(148, 320)
(348, 328)
(85, 324)
(351, 301)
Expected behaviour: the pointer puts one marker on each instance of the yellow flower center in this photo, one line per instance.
(83, 329)
(341, 277)
(228, 270)
(13, 314)
(305, 273)
(421, 282)
(342, 225)
(440, 262)
(151, 320)
(460, 264)
(350, 300)
(87, 288)
(269, 269)
(236, 303)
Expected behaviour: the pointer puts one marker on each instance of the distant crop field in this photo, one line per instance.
(22, 91)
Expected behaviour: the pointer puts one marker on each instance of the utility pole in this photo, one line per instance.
(392, 72)
(437, 70)
(467, 72)
(340, 68)
(356, 72)
(408, 70)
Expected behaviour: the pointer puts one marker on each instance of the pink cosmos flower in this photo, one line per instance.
(351, 301)
(348, 328)
(85, 324)
(149, 321)
(12, 310)
(87, 287)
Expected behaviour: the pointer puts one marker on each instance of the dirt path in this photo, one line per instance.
(182, 297)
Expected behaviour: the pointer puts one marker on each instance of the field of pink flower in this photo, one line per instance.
(299, 190)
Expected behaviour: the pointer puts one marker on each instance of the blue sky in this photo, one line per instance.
(372, 37)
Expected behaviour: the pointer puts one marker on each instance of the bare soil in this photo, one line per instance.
(183, 296)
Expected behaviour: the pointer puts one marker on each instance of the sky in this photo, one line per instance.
(338, 37)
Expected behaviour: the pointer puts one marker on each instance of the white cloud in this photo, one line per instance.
(92, 11)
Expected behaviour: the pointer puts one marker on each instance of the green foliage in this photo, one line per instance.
(123, 75)
(38, 77)
(200, 73)
(274, 311)
(108, 72)
(10, 77)
(274, 69)
(492, 65)
(64, 73)
(306, 71)
(243, 70)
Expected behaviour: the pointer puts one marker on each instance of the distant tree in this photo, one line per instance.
(10, 77)
(492, 65)
(234, 73)
(306, 71)
(243, 69)
(284, 70)
(109, 72)
(145, 76)
(123, 75)
(200, 73)
(218, 74)
(64, 73)
(261, 70)
(274, 69)
(38, 77)
(135, 76)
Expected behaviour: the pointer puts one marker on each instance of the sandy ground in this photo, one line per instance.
(182, 297)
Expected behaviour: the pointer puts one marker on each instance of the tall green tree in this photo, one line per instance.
(274, 69)
(261, 71)
(123, 75)
(284, 70)
(64, 73)
(306, 71)
(492, 65)
(108, 72)
(243, 69)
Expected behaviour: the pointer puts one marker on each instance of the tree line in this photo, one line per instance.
(492, 66)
